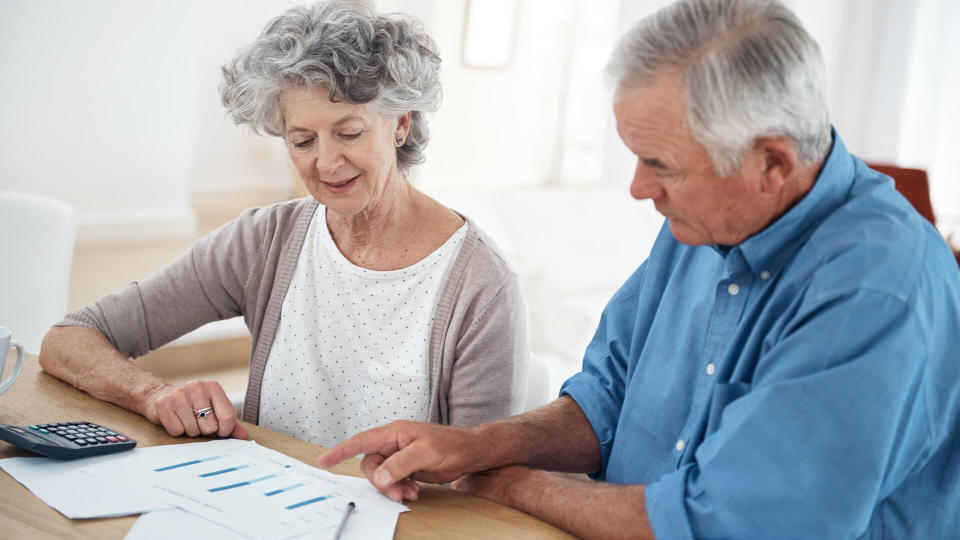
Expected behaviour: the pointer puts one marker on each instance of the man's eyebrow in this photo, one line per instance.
(653, 163)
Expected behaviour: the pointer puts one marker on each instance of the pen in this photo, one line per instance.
(343, 522)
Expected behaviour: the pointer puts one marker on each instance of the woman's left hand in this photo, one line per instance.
(195, 408)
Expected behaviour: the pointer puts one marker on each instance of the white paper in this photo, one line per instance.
(177, 523)
(75, 494)
(250, 489)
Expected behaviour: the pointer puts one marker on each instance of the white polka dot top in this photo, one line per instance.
(351, 349)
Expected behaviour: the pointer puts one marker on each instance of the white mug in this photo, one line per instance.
(5, 345)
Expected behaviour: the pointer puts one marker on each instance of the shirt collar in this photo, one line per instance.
(770, 249)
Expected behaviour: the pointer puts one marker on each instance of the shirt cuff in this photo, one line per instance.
(666, 505)
(600, 409)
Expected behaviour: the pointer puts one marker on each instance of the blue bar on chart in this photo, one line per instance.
(309, 501)
(238, 484)
(281, 490)
(222, 471)
(186, 463)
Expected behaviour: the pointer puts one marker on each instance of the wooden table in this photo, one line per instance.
(37, 398)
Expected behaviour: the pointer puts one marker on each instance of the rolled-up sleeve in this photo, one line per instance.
(600, 387)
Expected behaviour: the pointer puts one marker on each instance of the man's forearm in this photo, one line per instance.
(84, 358)
(582, 507)
(556, 437)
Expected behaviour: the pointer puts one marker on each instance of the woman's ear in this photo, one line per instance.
(403, 125)
(779, 162)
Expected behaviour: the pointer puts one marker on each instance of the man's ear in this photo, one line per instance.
(780, 162)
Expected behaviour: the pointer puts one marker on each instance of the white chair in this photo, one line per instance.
(37, 237)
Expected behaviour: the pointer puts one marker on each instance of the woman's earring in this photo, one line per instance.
(399, 141)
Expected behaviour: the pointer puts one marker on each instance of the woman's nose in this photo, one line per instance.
(329, 157)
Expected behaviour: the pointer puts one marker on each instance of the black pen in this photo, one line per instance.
(343, 522)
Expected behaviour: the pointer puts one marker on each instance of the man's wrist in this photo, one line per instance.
(492, 447)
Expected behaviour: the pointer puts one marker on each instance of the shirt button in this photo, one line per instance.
(733, 289)
(764, 275)
(680, 445)
(711, 369)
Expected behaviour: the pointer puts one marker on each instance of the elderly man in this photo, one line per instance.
(782, 365)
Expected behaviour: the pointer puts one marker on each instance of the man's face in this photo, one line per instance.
(675, 172)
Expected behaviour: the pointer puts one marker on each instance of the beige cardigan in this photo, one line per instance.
(478, 344)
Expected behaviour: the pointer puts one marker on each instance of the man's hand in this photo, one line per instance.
(174, 407)
(402, 452)
(497, 485)
(585, 508)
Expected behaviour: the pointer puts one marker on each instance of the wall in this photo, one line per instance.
(892, 80)
(112, 107)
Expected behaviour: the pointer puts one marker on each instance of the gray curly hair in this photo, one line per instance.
(750, 70)
(386, 61)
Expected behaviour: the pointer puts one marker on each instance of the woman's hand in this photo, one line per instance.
(176, 407)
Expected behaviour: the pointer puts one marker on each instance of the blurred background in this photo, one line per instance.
(112, 107)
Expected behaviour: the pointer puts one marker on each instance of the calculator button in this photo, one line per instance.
(43, 431)
(111, 438)
(34, 427)
(70, 436)
(91, 441)
(122, 438)
(80, 442)
(101, 440)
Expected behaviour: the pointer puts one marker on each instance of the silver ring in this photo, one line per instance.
(202, 413)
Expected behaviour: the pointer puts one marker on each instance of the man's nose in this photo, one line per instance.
(645, 184)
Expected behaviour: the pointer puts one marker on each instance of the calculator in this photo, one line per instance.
(66, 440)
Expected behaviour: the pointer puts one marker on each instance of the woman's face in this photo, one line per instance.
(345, 153)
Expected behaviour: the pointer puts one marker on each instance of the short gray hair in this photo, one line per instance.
(750, 70)
(388, 61)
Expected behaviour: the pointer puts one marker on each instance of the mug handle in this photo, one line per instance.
(16, 367)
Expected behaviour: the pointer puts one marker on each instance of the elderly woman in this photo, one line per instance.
(367, 302)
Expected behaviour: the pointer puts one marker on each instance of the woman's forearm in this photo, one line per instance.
(85, 358)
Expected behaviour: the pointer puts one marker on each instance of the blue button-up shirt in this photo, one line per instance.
(804, 383)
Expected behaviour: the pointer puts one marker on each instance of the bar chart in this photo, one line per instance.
(243, 486)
